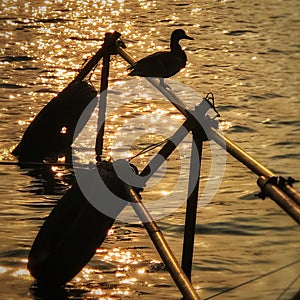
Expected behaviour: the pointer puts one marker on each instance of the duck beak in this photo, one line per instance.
(188, 37)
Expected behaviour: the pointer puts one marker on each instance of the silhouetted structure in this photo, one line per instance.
(52, 130)
(75, 228)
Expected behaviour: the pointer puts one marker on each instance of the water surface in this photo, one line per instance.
(246, 53)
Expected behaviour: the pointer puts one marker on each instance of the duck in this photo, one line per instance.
(163, 64)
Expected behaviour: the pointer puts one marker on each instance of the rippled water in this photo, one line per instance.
(246, 53)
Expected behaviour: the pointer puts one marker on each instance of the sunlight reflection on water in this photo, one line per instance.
(247, 53)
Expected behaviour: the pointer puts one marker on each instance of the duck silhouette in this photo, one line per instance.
(163, 64)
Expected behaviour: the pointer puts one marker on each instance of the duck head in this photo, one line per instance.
(179, 34)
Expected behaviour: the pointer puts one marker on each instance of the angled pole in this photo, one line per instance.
(191, 206)
(166, 254)
(165, 151)
(284, 195)
(291, 192)
(270, 188)
(102, 107)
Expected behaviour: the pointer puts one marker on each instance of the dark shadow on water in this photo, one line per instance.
(47, 181)
(38, 291)
(45, 292)
(50, 178)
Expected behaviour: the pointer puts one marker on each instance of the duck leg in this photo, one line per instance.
(163, 84)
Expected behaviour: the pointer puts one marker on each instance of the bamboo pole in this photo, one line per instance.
(102, 106)
(165, 152)
(191, 206)
(240, 154)
(163, 249)
(291, 192)
(283, 200)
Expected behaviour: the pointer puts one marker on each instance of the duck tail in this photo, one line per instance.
(131, 67)
(133, 72)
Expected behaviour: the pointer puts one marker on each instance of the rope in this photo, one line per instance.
(257, 278)
(40, 164)
(16, 163)
(288, 287)
(149, 148)
(32, 163)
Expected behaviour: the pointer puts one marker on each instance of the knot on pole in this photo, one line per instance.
(278, 189)
(201, 119)
(279, 181)
(290, 181)
(118, 44)
(129, 174)
(262, 182)
(210, 99)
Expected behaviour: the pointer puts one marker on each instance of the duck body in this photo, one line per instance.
(163, 64)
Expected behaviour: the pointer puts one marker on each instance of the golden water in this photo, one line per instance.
(246, 53)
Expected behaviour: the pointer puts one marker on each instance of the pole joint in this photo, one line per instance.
(113, 49)
(270, 180)
(201, 117)
(279, 181)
